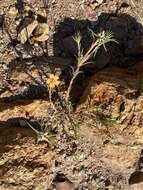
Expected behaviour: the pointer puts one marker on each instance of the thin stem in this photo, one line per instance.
(71, 83)
(102, 39)
(37, 132)
(50, 99)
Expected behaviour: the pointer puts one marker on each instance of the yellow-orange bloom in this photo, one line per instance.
(53, 81)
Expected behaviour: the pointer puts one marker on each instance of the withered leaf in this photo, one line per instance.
(26, 32)
(12, 11)
(41, 12)
(41, 33)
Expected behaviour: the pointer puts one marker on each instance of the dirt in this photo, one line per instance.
(97, 144)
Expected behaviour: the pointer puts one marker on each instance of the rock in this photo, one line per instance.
(69, 45)
(135, 46)
(102, 58)
(25, 77)
(118, 92)
(36, 108)
(119, 26)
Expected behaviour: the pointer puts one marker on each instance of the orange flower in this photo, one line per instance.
(53, 81)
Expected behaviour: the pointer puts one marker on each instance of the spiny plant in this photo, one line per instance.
(83, 59)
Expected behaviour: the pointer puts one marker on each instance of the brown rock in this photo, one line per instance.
(120, 91)
(119, 106)
(23, 75)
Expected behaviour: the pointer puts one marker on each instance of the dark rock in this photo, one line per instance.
(69, 45)
(119, 26)
(135, 46)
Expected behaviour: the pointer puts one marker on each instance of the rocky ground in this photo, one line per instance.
(97, 144)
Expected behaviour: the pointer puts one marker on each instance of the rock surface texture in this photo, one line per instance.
(119, 92)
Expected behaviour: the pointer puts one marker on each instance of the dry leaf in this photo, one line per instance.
(41, 12)
(13, 11)
(26, 32)
(42, 28)
(41, 33)
(41, 38)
